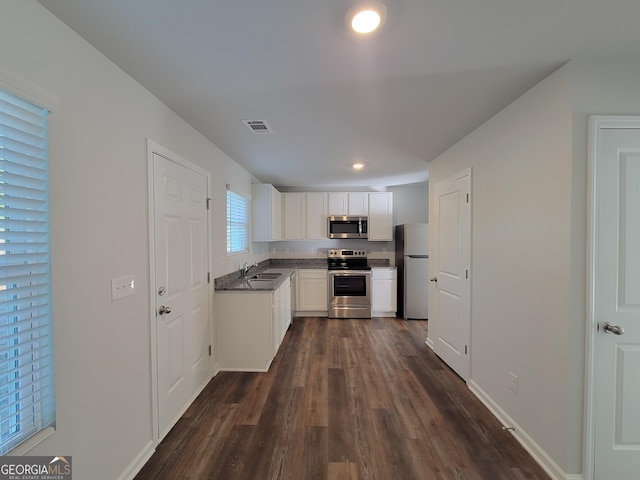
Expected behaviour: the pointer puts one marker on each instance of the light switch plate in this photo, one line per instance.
(122, 287)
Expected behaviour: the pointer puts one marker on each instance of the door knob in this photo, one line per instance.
(434, 279)
(164, 310)
(611, 328)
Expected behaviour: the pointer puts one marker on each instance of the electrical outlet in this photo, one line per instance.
(123, 287)
(513, 382)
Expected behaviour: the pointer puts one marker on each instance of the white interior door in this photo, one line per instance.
(450, 310)
(183, 336)
(616, 302)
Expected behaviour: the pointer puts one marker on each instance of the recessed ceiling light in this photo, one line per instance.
(366, 17)
(358, 166)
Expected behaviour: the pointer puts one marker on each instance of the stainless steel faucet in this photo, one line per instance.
(246, 267)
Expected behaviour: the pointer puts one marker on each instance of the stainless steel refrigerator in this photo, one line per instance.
(412, 261)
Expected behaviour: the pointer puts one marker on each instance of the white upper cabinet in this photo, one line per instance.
(266, 213)
(380, 216)
(358, 204)
(338, 204)
(295, 216)
(317, 213)
(341, 203)
(303, 215)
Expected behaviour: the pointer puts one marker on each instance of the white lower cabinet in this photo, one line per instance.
(281, 317)
(311, 292)
(384, 285)
(251, 326)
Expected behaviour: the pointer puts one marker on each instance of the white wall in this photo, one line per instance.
(529, 250)
(521, 211)
(604, 87)
(99, 231)
(410, 204)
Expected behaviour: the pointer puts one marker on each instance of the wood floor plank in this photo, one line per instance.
(343, 471)
(343, 399)
(316, 409)
(251, 407)
(288, 447)
(230, 462)
(316, 453)
(341, 429)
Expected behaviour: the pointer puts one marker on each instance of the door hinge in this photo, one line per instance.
(208, 277)
(466, 274)
(465, 350)
(208, 203)
(209, 350)
(467, 198)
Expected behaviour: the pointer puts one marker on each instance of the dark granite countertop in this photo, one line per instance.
(251, 285)
(233, 282)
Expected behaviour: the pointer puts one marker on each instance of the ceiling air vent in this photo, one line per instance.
(258, 126)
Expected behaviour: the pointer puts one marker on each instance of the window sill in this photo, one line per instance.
(32, 442)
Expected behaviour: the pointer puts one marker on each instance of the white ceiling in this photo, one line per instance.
(394, 100)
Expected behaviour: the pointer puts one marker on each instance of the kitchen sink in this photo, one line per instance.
(268, 276)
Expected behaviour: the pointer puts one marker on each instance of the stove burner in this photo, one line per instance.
(344, 259)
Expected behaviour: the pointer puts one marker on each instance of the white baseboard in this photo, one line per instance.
(145, 454)
(134, 467)
(429, 343)
(538, 454)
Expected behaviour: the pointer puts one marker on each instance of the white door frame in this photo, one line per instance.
(154, 148)
(596, 123)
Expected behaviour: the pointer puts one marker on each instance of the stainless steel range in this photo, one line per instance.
(349, 284)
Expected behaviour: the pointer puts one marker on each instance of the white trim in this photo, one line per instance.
(596, 124)
(184, 409)
(32, 442)
(29, 91)
(154, 148)
(536, 452)
(136, 465)
(429, 343)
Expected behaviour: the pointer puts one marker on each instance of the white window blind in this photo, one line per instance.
(237, 223)
(27, 403)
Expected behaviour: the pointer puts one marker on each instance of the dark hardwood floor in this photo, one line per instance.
(343, 399)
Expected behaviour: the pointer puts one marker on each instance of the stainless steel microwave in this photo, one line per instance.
(347, 227)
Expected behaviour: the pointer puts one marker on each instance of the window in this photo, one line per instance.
(237, 223)
(27, 403)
